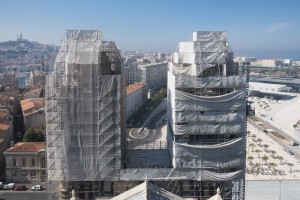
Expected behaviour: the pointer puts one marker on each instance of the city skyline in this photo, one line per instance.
(263, 29)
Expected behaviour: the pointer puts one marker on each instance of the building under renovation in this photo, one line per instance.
(204, 147)
(84, 112)
(207, 95)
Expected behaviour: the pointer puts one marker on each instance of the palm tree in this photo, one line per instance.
(291, 170)
(290, 165)
(257, 151)
(250, 158)
(252, 145)
(280, 158)
(265, 158)
(257, 165)
(273, 153)
(248, 133)
(273, 165)
(266, 147)
(253, 136)
(259, 141)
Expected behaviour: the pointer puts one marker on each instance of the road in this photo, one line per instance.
(22, 195)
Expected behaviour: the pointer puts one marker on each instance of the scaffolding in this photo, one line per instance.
(84, 110)
(207, 95)
(85, 121)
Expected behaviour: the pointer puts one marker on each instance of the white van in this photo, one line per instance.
(9, 186)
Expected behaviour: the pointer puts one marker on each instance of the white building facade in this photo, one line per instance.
(136, 95)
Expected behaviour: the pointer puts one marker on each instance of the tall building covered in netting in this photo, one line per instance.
(207, 94)
(85, 113)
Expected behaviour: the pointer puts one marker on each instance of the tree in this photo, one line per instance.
(33, 135)
(259, 141)
(248, 133)
(280, 158)
(257, 165)
(257, 151)
(291, 170)
(252, 145)
(253, 136)
(273, 153)
(265, 158)
(273, 165)
(290, 165)
(266, 147)
(250, 158)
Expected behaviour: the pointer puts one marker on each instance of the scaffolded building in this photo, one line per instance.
(85, 98)
(85, 122)
(207, 96)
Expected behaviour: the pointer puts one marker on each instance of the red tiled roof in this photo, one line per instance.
(31, 105)
(133, 87)
(3, 115)
(27, 147)
(4, 127)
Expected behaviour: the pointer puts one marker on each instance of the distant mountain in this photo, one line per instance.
(22, 52)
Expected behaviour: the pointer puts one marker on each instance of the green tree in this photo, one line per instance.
(273, 153)
(252, 145)
(33, 135)
(273, 165)
(259, 141)
(280, 158)
(265, 158)
(266, 147)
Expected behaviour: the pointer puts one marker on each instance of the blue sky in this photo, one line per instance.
(260, 28)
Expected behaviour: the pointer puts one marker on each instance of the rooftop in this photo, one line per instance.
(4, 127)
(27, 147)
(3, 115)
(30, 106)
(133, 87)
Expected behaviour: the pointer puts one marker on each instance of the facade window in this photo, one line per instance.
(33, 174)
(14, 162)
(33, 162)
(43, 161)
(14, 173)
(23, 162)
(23, 173)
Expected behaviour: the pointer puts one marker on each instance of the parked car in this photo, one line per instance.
(37, 187)
(20, 188)
(9, 186)
(1, 185)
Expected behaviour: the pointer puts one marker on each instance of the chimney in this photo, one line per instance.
(12, 144)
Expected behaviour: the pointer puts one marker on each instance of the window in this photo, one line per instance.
(23, 162)
(33, 162)
(23, 173)
(43, 161)
(14, 162)
(33, 174)
(14, 173)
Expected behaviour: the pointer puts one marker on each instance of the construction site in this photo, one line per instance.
(202, 124)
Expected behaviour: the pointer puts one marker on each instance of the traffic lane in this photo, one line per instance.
(23, 195)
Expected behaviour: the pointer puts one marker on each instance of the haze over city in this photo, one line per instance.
(256, 28)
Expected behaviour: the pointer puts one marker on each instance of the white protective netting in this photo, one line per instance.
(207, 100)
(84, 104)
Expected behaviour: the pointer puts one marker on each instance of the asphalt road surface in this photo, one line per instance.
(22, 195)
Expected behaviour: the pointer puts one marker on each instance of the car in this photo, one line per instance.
(1, 185)
(9, 186)
(37, 187)
(20, 188)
